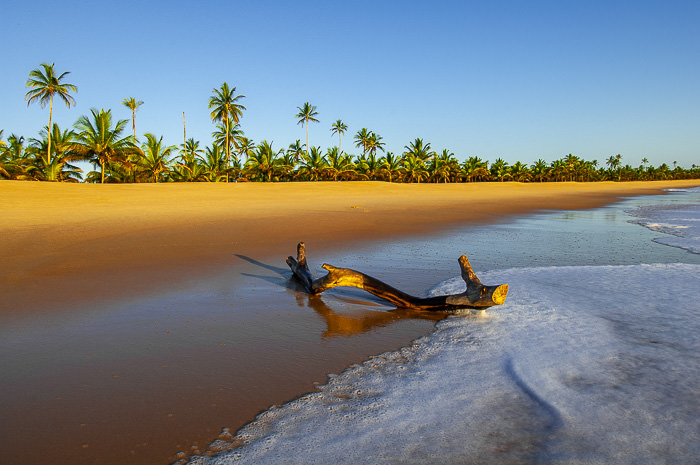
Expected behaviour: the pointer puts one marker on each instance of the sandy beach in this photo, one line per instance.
(101, 372)
(134, 238)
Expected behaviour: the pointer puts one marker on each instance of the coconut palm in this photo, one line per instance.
(339, 128)
(101, 143)
(374, 143)
(499, 169)
(296, 150)
(264, 161)
(313, 165)
(226, 139)
(539, 170)
(390, 166)
(307, 113)
(225, 108)
(44, 85)
(132, 104)
(339, 165)
(362, 139)
(156, 157)
(369, 166)
(519, 172)
(14, 160)
(419, 149)
(58, 167)
(413, 169)
(245, 147)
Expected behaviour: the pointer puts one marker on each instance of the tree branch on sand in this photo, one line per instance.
(476, 296)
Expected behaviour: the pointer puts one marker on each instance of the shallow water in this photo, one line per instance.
(141, 380)
(593, 360)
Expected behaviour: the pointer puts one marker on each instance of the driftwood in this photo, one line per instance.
(476, 296)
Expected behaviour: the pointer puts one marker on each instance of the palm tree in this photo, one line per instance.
(225, 107)
(156, 158)
(58, 167)
(339, 128)
(225, 139)
(100, 143)
(474, 168)
(245, 147)
(214, 164)
(374, 143)
(539, 170)
(44, 85)
(296, 150)
(314, 164)
(307, 113)
(14, 162)
(132, 104)
(264, 161)
(419, 149)
(339, 165)
(362, 139)
(499, 169)
(413, 168)
(390, 165)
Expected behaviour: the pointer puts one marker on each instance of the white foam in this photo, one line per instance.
(679, 223)
(581, 365)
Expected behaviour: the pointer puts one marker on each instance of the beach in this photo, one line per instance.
(129, 309)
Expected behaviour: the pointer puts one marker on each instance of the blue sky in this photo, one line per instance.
(520, 80)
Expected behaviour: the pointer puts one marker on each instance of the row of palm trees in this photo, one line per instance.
(100, 140)
(97, 139)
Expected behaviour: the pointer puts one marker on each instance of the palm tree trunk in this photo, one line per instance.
(48, 151)
(307, 137)
(102, 164)
(228, 150)
(133, 122)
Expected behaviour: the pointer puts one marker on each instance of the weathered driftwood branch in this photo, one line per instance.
(476, 296)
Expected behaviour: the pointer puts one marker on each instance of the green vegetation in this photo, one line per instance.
(97, 139)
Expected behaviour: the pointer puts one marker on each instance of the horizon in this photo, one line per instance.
(503, 80)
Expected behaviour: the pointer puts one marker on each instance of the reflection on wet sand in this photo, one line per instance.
(355, 322)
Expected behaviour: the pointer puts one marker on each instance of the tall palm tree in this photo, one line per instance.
(44, 85)
(339, 128)
(132, 104)
(307, 113)
(225, 108)
(101, 143)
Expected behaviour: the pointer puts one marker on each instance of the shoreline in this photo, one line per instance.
(143, 237)
(182, 360)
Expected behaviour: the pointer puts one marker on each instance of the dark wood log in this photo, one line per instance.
(476, 296)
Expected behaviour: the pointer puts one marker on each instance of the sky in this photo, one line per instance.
(519, 80)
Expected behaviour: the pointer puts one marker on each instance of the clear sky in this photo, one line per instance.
(520, 80)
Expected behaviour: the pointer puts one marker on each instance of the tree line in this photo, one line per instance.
(120, 157)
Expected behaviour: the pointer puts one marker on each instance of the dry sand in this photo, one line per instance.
(134, 238)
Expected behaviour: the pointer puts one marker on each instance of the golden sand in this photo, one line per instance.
(139, 236)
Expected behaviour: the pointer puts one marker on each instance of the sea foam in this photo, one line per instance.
(583, 364)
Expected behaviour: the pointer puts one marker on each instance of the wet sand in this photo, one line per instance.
(138, 320)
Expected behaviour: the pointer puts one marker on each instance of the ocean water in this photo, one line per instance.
(593, 359)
